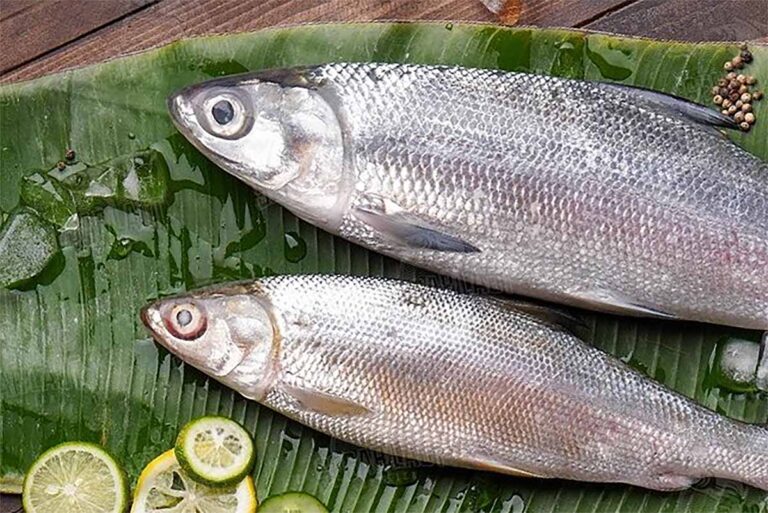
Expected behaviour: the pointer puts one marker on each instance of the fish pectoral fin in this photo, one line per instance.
(555, 318)
(324, 403)
(599, 298)
(693, 111)
(404, 228)
(501, 468)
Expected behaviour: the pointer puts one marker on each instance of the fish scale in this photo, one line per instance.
(486, 157)
(457, 379)
(591, 194)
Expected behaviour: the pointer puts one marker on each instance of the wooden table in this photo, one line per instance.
(43, 36)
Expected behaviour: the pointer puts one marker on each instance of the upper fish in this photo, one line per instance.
(592, 194)
(454, 379)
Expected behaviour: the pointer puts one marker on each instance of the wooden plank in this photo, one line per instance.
(172, 19)
(689, 20)
(28, 29)
(10, 503)
(563, 13)
(10, 8)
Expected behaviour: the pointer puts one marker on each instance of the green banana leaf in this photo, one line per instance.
(138, 213)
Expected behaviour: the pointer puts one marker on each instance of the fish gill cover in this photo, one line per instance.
(138, 213)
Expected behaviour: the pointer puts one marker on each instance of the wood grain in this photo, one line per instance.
(551, 12)
(169, 20)
(172, 19)
(10, 503)
(712, 20)
(30, 28)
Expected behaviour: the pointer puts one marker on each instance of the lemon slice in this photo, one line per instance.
(77, 477)
(164, 487)
(215, 451)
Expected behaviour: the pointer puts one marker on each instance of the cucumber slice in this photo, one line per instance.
(75, 476)
(215, 451)
(292, 502)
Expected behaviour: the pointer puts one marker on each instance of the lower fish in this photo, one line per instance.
(454, 379)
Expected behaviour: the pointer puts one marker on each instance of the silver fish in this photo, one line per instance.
(453, 379)
(591, 194)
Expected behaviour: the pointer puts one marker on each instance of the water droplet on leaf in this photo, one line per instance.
(295, 247)
(120, 249)
(400, 476)
(27, 245)
(613, 61)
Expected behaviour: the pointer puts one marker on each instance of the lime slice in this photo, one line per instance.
(215, 451)
(77, 477)
(164, 487)
(292, 502)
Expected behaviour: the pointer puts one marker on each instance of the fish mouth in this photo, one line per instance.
(183, 116)
(150, 317)
(180, 110)
(144, 315)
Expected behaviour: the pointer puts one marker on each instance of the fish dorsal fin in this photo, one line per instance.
(554, 318)
(691, 110)
(299, 76)
(323, 403)
(401, 227)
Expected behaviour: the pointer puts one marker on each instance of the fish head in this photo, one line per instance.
(226, 333)
(272, 131)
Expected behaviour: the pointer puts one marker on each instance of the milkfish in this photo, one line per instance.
(455, 379)
(590, 194)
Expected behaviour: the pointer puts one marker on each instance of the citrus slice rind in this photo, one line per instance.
(292, 502)
(164, 487)
(215, 451)
(75, 476)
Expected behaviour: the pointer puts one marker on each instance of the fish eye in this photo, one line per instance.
(183, 317)
(186, 321)
(223, 112)
(226, 116)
